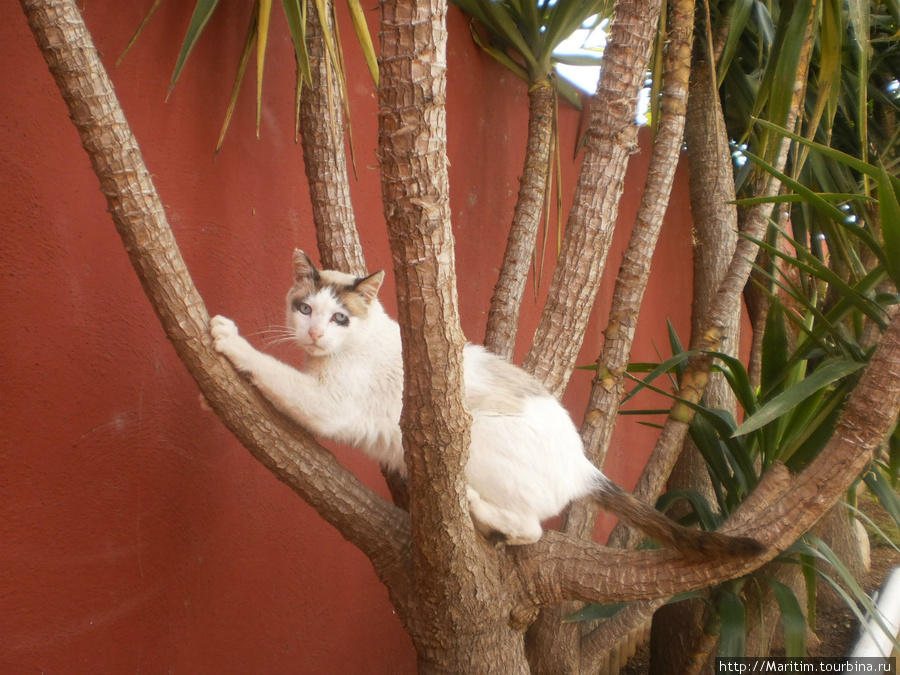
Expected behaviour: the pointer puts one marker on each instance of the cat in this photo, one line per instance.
(526, 459)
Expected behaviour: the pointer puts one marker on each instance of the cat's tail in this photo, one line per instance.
(689, 542)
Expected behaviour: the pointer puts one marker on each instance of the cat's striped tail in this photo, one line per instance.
(689, 542)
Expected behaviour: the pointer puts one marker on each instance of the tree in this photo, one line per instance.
(465, 603)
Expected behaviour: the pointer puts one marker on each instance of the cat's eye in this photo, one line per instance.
(302, 307)
(340, 319)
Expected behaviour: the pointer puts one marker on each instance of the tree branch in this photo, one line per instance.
(506, 303)
(376, 527)
(322, 139)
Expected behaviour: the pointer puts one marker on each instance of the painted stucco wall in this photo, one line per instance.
(135, 534)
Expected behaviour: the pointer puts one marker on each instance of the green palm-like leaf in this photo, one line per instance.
(258, 31)
(239, 77)
(523, 35)
(848, 588)
(203, 10)
(700, 509)
(793, 620)
(140, 29)
(777, 86)
(295, 13)
(824, 376)
(880, 485)
(733, 615)
(264, 13)
(739, 17)
(358, 17)
(889, 206)
(775, 348)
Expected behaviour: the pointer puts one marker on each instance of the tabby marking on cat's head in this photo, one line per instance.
(325, 308)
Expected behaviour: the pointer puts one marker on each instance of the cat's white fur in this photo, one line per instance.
(526, 459)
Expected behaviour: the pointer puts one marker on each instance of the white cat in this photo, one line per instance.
(526, 460)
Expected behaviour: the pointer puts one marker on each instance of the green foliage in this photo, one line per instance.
(296, 13)
(817, 339)
(523, 36)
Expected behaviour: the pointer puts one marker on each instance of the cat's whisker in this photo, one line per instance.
(278, 330)
(276, 335)
(280, 340)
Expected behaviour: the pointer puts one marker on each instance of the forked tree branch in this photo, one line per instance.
(608, 387)
(611, 138)
(375, 526)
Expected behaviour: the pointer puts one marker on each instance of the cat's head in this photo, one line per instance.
(328, 310)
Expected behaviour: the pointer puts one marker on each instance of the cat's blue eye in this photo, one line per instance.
(302, 307)
(341, 319)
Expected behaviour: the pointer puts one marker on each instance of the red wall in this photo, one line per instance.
(135, 533)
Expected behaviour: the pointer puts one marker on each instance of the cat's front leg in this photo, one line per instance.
(228, 342)
(291, 391)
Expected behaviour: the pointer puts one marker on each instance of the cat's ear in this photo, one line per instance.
(368, 287)
(304, 270)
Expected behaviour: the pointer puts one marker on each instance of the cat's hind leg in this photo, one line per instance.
(502, 525)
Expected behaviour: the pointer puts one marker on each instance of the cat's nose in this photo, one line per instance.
(315, 334)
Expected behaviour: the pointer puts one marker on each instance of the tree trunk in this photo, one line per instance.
(460, 614)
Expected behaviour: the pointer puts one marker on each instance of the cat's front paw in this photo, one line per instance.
(228, 342)
(222, 328)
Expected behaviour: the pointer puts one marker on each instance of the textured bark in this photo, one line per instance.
(559, 641)
(503, 318)
(610, 139)
(597, 643)
(461, 612)
(714, 214)
(322, 139)
(379, 529)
